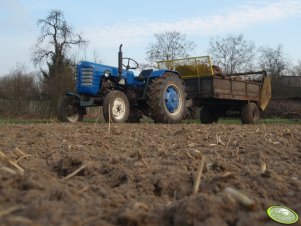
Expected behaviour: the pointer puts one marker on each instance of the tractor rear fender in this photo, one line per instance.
(154, 75)
(82, 104)
(160, 73)
(77, 97)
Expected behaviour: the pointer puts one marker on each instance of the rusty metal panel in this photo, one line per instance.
(239, 88)
(221, 86)
(253, 90)
(191, 87)
(227, 88)
(206, 86)
(199, 87)
(237, 97)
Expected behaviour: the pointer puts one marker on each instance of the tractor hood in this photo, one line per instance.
(89, 76)
(100, 68)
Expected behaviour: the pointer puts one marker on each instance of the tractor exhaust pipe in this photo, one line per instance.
(120, 62)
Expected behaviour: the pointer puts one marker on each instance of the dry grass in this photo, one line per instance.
(11, 160)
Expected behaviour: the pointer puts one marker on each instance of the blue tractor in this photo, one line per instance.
(158, 94)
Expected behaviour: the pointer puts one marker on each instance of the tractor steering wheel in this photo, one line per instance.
(128, 66)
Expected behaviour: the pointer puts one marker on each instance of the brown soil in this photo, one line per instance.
(144, 174)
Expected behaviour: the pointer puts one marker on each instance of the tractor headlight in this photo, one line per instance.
(107, 73)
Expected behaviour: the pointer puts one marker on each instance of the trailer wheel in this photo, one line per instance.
(208, 116)
(167, 99)
(250, 113)
(116, 107)
(68, 110)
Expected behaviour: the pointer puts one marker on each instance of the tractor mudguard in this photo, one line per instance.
(160, 73)
(82, 108)
(155, 74)
(73, 94)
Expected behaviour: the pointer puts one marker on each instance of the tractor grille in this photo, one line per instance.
(86, 76)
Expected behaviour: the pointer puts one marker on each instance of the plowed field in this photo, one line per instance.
(143, 174)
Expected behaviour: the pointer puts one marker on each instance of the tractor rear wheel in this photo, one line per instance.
(167, 99)
(250, 113)
(208, 116)
(68, 110)
(116, 107)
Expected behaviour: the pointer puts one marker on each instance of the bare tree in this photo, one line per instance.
(169, 46)
(51, 48)
(273, 60)
(56, 38)
(232, 53)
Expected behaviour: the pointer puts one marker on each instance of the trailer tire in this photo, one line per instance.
(167, 99)
(116, 107)
(208, 116)
(68, 110)
(250, 113)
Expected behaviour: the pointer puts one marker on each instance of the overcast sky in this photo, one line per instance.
(106, 24)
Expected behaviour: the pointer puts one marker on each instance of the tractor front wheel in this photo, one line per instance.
(167, 99)
(116, 107)
(68, 110)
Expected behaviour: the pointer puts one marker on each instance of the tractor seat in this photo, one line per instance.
(144, 74)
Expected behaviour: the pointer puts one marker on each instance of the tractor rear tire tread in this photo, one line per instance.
(250, 113)
(156, 104)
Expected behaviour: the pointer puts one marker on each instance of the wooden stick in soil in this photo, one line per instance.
(22, 157)
(142, 160)
(263, 167)
(109, 119)
(9, 170)
(10, 210)
(198, 177)
(75, 172)
(188, 155)
(20, 152)
(21, 170)
(240, 197)
(84, 189)
(47, 146)
(13, 163)
(3, 155)
(229, 141)
(96, 120)
(21, 220)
